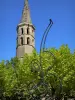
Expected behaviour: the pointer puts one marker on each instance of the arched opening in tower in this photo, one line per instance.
(21, 40)
(28, 30)
(22, 30)
(28, 40)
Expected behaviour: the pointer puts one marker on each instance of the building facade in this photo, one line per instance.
(25, 33)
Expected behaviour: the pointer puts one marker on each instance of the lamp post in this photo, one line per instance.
(48, 92)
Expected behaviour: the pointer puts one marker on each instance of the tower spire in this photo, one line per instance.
(26, 13)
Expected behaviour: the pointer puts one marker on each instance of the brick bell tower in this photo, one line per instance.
(25, 33)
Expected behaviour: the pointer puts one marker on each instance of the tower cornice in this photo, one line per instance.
(25, 24)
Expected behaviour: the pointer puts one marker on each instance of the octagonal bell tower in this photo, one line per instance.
(25, 33)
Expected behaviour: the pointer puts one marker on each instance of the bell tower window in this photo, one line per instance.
(21, 30)
(28, 30)
(28, 40)
(21, 40)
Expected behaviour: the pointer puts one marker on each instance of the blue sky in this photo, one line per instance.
(62, 12)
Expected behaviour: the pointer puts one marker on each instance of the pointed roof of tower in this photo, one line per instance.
(26, 13)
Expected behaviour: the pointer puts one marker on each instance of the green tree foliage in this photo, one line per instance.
(52, 75)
